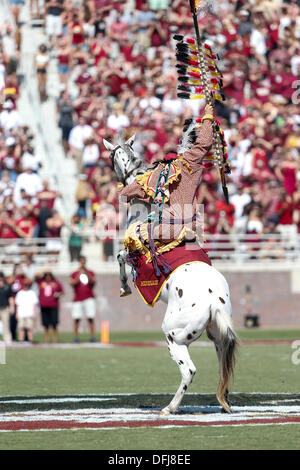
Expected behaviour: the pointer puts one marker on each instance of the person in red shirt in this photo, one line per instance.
(47, 196)
(7, 226)
(26, 224)
(77, 31)
(50, 291)
(83, 281)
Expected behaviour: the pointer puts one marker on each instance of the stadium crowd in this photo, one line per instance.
(116, 66)
(26, 201)
(117, 72)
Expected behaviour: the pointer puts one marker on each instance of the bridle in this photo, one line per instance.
(126, 174)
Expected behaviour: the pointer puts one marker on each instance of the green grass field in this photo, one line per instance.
(260, 368)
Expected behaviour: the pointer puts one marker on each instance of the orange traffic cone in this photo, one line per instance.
(105, 332)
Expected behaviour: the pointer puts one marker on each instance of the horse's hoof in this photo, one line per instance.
(165, 412)
(226, 410)
(125, 292)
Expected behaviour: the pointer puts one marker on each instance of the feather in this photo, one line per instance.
(178, 37)
(187, 140)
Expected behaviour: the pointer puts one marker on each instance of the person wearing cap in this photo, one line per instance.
(6, 307)
(10, 160)
(26, 310)
(245, 25)
(9, 117)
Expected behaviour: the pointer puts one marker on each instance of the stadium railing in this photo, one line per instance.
(231, 248)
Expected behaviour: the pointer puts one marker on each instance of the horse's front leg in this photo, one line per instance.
(180, 354)
(124, 289)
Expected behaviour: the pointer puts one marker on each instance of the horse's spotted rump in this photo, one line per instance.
(222, 300)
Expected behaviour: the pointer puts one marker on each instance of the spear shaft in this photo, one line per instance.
(209, 100)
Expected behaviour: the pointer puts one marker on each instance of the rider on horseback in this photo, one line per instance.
(171, 188)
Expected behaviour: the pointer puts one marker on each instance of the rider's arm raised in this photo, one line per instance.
(203, 143)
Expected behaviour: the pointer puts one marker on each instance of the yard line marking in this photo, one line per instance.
(56, 400)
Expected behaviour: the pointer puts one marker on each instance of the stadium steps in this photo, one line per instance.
(41, 118)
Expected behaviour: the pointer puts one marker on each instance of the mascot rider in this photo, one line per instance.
(159, 186)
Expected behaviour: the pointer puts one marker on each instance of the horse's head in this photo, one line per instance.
(124, 160)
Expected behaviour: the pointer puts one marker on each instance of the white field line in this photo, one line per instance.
(35, 401)
(130, 415)
(114, 428)
(79, 395)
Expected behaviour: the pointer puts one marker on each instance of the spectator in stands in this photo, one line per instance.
(110, 92)
(29, 181)
(26, 310)
(54, 28)
(64, 57)
(91, 153)
(26, 224)
(77, 137)
(83, 281)
(9, 117)
(6, 307)
(15, 8)
(47, 195)
(83, 194)
(75, 237)
(41, 65)
(50, 291)
(34, 6)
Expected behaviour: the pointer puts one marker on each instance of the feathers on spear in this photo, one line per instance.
(199, 77)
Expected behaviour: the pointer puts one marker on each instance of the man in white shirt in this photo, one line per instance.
(91, 154)
(28, 159)
(26, 302)
(29, 181)
(240, 199)
(117, 119)
(9, 117)
(77, 137)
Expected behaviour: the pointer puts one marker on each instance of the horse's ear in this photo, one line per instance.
(108, 145)
(130, 141)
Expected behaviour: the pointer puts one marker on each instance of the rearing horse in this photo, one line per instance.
(197, 298)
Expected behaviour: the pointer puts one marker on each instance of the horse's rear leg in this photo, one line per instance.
(124, 289)
(180, 354)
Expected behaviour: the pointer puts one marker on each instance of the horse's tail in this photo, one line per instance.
(228, 344)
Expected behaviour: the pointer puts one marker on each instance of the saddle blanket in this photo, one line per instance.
(149, 284)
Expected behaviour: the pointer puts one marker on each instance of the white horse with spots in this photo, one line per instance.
(197, 298)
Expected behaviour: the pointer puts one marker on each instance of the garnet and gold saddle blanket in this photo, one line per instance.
(148, 283)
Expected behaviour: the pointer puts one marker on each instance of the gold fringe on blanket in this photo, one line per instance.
(133, 243)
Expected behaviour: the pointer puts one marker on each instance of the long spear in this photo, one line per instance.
(218, 150)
